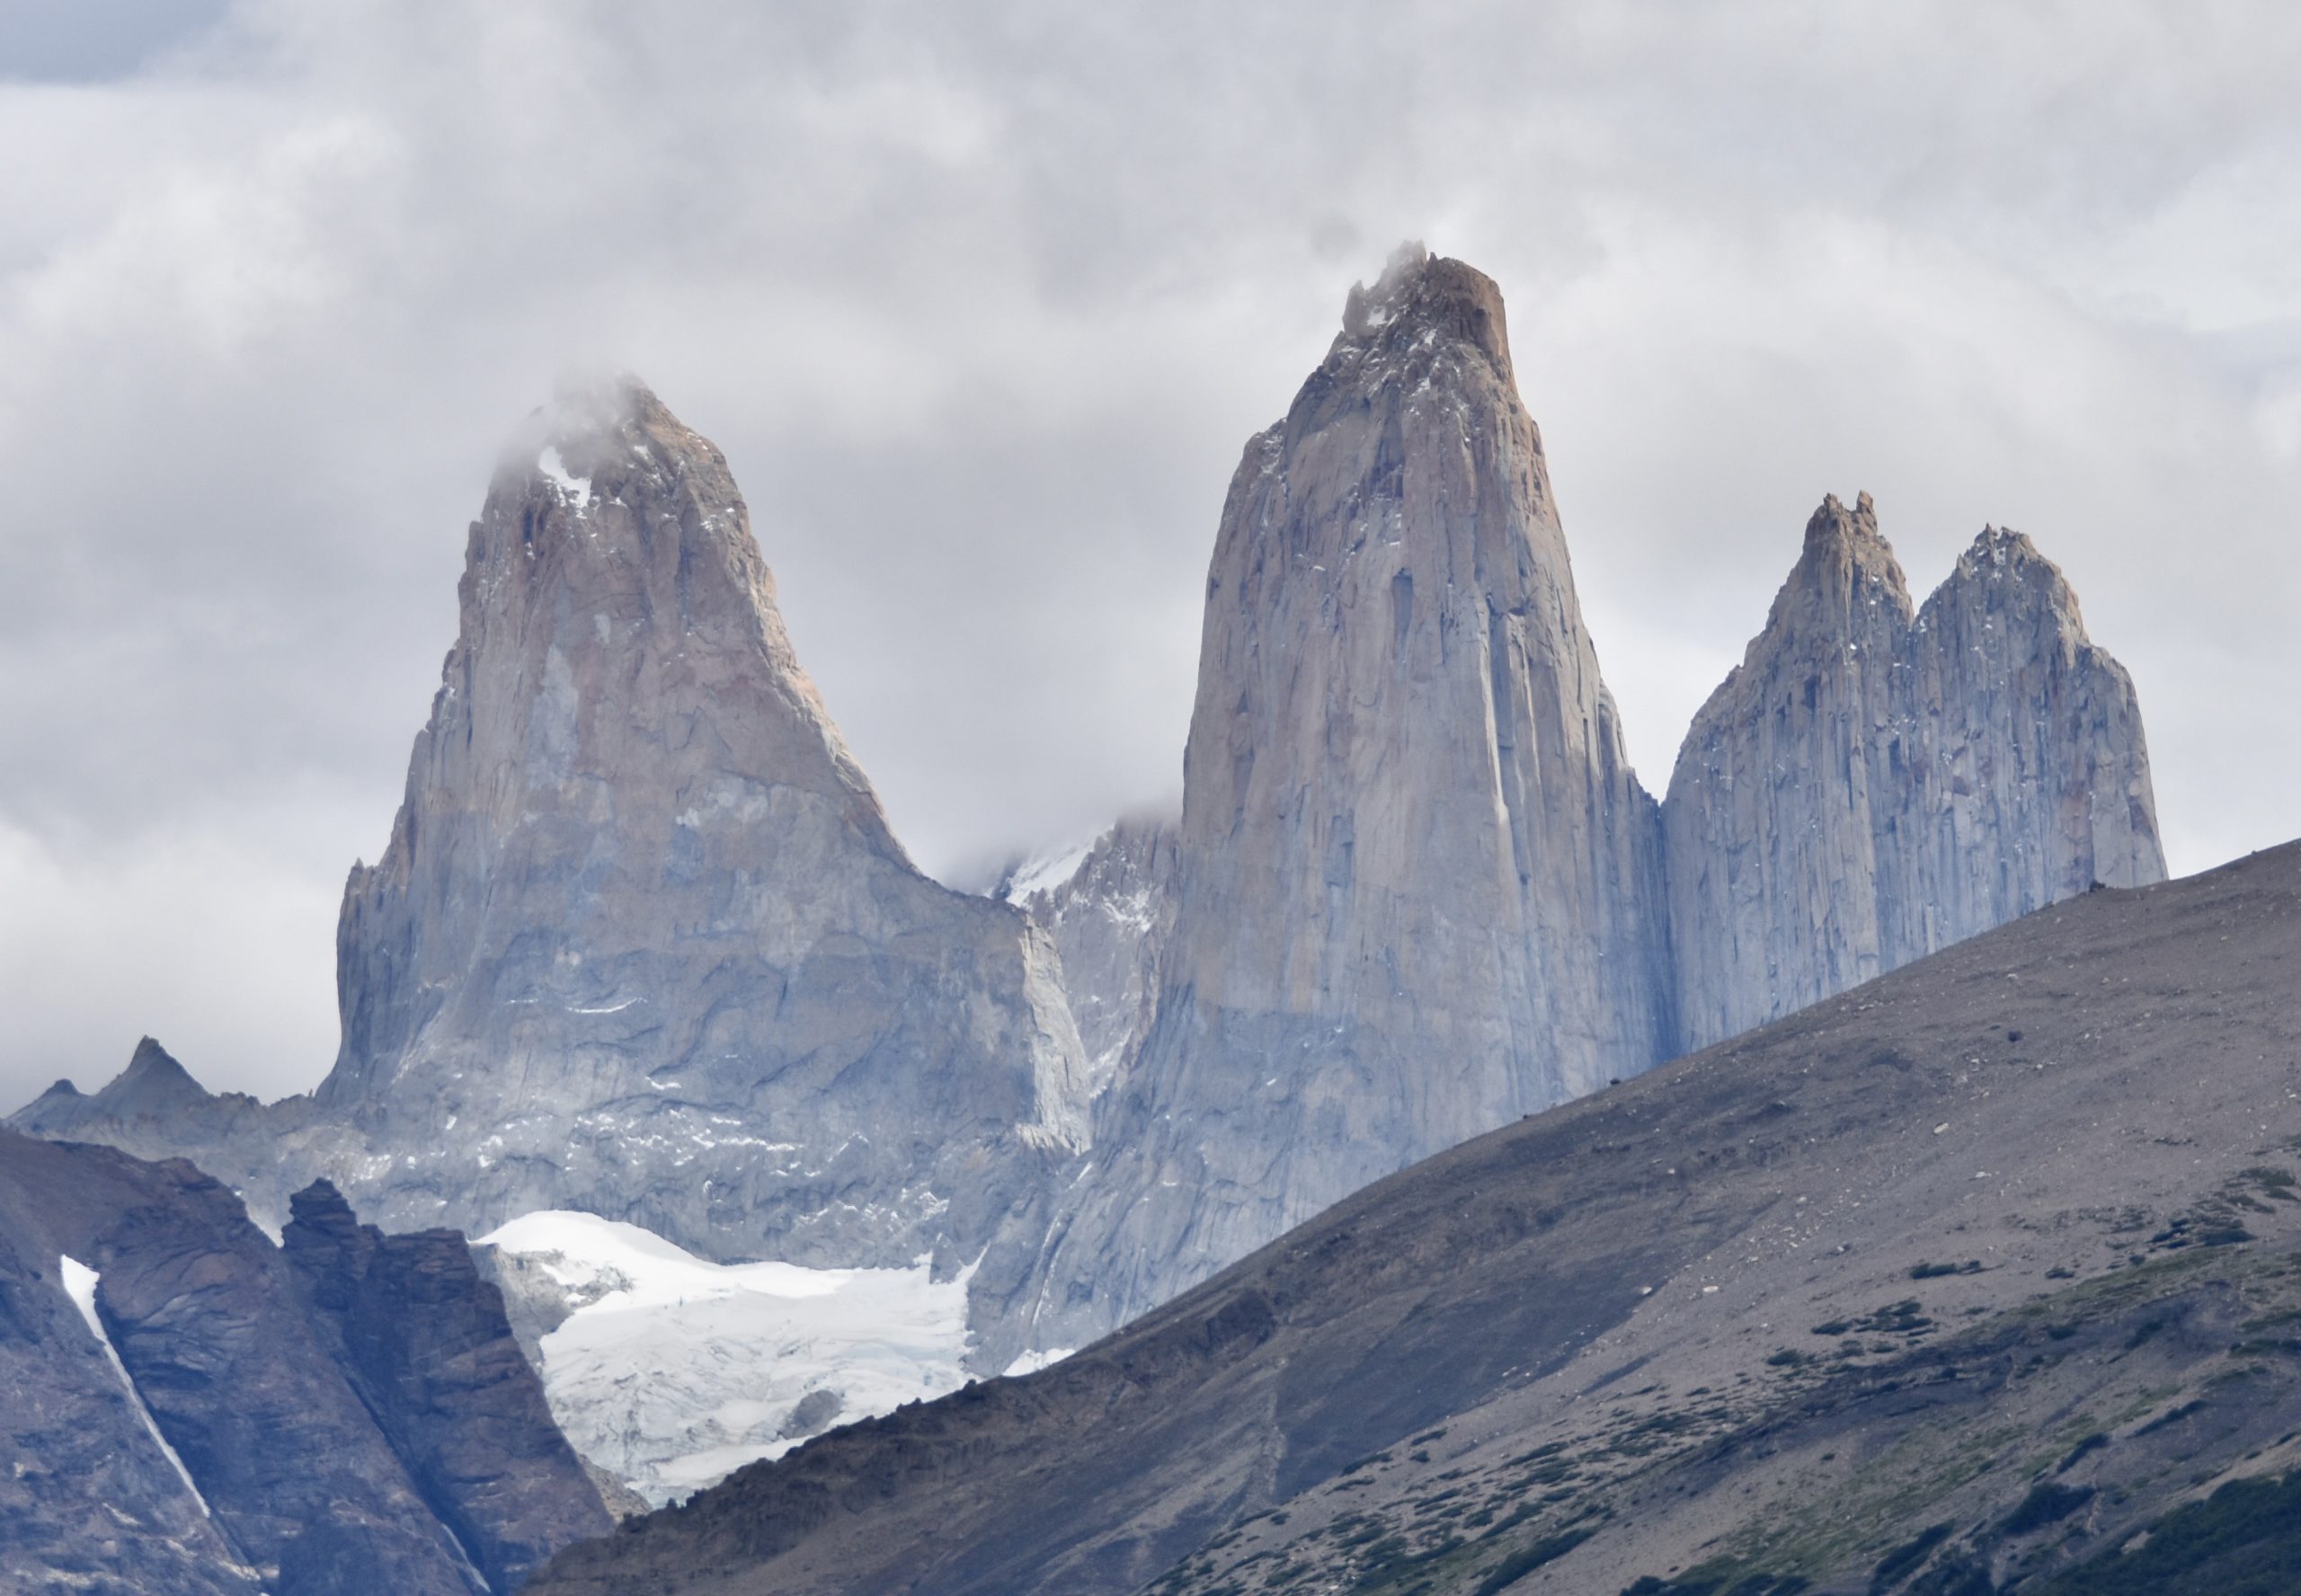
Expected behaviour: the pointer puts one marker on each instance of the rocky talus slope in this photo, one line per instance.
(191, 1409)
(1875, 781)
(1981, 1277)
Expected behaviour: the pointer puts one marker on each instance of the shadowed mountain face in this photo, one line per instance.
(192, 1410)
(2005, 1242)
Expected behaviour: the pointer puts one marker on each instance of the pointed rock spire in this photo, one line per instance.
(1416, 884)
(642, 941)
(2038, 771)
(1873, 783)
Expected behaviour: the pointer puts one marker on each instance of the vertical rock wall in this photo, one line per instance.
(1418, 887)
(1873, 783)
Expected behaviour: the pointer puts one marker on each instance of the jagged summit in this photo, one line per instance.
(1420, 301)
(1832, 518)
(1844, 566)
(1365, 309)
(153, 1083)
(153, 1086)
(1878, 780)
(2000, 553)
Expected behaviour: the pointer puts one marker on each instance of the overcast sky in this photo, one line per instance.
(982, 302)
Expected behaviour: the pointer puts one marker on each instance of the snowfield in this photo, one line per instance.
(671, 1371)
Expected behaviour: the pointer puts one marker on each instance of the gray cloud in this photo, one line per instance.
(982, 303)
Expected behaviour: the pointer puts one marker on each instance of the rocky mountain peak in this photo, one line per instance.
(643, 942)
(1846, 582)
(1875, 781)
(1421, 309)
(1414, 877)
(2000, 555)
(153, 1084)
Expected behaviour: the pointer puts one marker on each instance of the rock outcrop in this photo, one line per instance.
(1418, 887)
(183, 1415)
(1875, 782)
(1107, 907)
(426, 1345)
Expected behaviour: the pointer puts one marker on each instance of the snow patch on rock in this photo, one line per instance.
(577, 488)
(1047, 872)
(80, 1285)
(1031, 1362)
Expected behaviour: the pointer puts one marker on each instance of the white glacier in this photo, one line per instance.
(672, 1371)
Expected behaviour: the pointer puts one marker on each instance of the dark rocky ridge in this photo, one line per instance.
(2021, 1214)
(426, 1345)
(315, 1468)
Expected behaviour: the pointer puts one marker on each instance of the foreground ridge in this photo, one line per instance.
(2003, 1235)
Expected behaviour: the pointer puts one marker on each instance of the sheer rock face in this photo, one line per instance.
(288, 1475)
(1875, 782)
(1416, 884)
(643, 942)
(1107, 908)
